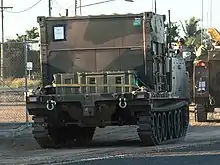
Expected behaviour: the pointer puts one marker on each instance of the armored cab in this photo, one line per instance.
(106, 70)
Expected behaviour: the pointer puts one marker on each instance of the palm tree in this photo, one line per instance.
(193, 32)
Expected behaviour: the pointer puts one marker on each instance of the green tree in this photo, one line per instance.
(174, 31)
(29, 35)
(14, 50)
(193, 32)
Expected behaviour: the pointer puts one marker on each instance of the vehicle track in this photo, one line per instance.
(163, 125)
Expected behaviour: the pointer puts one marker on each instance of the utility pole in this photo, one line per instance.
(76, 6)
(80, 6)
(2, 42)
(210, 13)
(202, 23)
(49, 7)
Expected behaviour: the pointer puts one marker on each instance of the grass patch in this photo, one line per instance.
(20, 82)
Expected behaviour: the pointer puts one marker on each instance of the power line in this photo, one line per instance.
(29, 8)
(62, 7)
(58, 4)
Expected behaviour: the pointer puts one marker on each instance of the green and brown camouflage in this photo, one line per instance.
(92, 63)
(99, 43)
(206, 81)
(214, 76)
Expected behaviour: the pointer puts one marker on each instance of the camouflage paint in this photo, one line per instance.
(214, 75)
(100, 43)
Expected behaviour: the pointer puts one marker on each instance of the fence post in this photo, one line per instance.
(26, 77)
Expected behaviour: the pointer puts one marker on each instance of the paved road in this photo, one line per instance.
(21, 148)
(155, 160)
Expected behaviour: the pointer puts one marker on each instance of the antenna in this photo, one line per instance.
(169, 31)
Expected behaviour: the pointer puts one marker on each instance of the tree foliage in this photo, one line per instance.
(193, 32)
(14, 55)
(191, 27)
(29, 35)
(174, 31)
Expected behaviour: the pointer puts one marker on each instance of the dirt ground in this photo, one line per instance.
(13, 113)
(17, 145)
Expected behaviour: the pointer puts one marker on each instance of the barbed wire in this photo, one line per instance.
(29, 8)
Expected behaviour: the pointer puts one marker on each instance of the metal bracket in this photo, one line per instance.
(122, 103)
(51, 105)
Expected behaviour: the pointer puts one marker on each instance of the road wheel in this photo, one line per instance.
(170, 124)
(164, 125)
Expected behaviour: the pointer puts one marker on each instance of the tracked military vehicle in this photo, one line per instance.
(107, 70)
(206, 78)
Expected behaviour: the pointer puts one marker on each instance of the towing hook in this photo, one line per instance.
(212, 101)
(51, 105)
(122, 103)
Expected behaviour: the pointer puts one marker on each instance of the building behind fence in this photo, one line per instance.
(12, 86)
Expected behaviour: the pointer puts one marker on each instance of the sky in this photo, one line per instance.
(17, 22)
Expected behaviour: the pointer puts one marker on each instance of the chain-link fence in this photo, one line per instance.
(20, 72)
